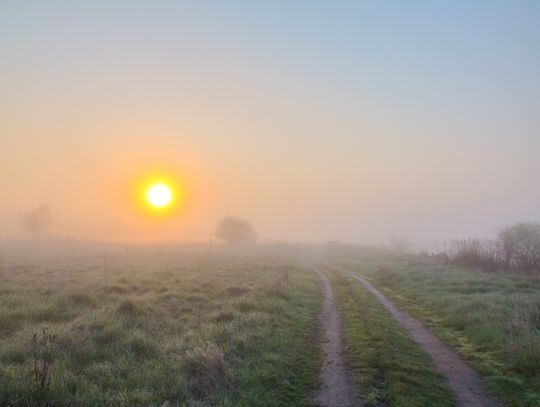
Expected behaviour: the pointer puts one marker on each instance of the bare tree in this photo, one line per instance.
(38, 220)
(235, 230)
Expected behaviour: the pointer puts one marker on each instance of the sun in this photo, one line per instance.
(159, 195)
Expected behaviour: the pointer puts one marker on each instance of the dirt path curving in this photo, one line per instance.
(464, 382)
(337, 385)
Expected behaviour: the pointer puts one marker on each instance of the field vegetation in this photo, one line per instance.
(157, 327)
(206, 326)
(516, 249)
(492, 318)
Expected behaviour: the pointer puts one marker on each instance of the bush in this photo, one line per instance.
(516, 249)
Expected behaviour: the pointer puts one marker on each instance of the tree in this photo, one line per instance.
(235, 230)
(521, 246)
(38, 220)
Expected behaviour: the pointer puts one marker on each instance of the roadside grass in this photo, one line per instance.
(493, 319)
(187, 328)
(392, 369)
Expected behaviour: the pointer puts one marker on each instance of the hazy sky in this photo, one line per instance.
(342, 120)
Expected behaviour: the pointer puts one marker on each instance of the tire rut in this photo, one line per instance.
(463, 381)
(337, 384)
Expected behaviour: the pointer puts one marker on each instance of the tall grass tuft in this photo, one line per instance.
(206, 370)
(43, 361)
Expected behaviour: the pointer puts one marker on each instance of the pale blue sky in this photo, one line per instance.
(318, 120)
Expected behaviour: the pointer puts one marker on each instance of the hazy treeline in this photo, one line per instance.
(516, 249)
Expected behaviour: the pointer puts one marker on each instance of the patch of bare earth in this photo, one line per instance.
(337, 383)
(464, 381)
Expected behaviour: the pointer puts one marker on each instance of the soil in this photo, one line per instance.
(464, 381)
(338, 387)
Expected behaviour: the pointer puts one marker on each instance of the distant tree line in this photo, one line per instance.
(516, 249)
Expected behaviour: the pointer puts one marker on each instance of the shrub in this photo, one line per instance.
(517, 249)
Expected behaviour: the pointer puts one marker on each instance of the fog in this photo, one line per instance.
(359, 123)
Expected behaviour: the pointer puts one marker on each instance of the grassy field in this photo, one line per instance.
(493, 319)
(212, 327)
(392, 369)
(157, 327)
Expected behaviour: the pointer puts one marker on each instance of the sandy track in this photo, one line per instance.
(337, 384)
(464, 382)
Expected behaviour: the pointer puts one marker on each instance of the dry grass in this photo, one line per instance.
(152, 326)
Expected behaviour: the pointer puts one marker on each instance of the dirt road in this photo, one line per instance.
(464, 382)
(337, 383)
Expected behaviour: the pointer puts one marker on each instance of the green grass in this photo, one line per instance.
(187, 327)
(392, 369)
(493, 319)
(205, 327)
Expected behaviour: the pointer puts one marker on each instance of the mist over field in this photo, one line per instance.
(269, 203)
(317, 122)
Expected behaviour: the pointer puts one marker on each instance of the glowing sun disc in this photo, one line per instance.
(159, 195)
